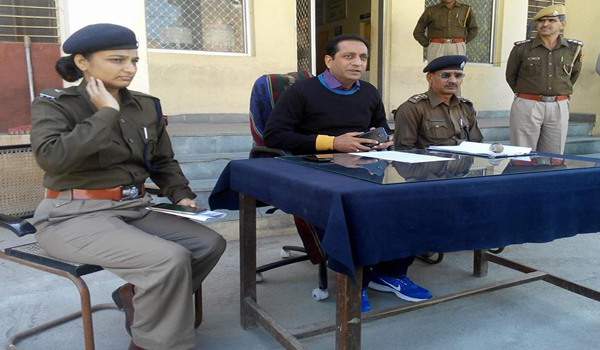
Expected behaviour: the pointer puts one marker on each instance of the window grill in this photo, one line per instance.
(196, 25)
(34, 18)
(479, 50)
(303, 34)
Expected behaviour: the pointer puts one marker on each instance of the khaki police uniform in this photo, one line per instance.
(448, 30)
(542, 81)
(425, 120)
(166, 258)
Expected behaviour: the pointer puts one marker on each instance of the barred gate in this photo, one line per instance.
(304, 34)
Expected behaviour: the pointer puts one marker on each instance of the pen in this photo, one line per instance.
(145, 133)
(562, 58)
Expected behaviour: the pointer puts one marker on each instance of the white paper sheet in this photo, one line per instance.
(203, 216)
(403, 157)
(482, 149)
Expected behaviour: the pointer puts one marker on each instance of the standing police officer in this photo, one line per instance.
(450, 25)
(438, 116)
(541, 72)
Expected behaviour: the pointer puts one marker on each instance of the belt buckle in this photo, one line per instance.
(548, 98)
(448, 41)
(130, 192)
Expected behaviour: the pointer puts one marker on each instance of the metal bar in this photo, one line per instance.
(198, 307)
(480, 264)
(508, 263)
(573, 287)
(86, 312)
(30, 7)
(325, 327)
(26, 27)
(348, 317)
(34, 17)
(10, 343)
(247, 259)
(282, 335)
(27, 43)
(32, 36)
(380, 43)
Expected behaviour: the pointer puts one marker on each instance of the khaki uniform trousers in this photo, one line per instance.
(165, 257)
(543, 126)
(435, 50)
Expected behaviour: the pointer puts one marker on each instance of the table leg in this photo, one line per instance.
(347, 333)
(480, 264)
(247, 259)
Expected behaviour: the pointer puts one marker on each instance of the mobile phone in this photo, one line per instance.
(318, 158)
(175, 207)
(379, 135)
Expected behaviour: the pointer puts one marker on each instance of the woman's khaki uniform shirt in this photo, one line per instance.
(79, 146)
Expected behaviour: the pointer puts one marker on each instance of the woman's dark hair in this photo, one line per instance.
(332, 46)
(68, 70)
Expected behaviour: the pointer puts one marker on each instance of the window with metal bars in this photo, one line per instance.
(534, 7)
(36, 19)
(481, 49)
(196, 25)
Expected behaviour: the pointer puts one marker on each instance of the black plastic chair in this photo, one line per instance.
(265, 93)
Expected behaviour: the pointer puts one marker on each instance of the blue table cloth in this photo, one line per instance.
(366, 223)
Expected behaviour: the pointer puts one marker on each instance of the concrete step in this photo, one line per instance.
(210, 144)
(497, 129)
(206, 166)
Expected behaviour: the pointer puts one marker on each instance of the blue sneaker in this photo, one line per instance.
(365, 306)
(404, 288)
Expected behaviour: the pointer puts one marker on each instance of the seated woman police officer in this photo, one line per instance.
(98, 143)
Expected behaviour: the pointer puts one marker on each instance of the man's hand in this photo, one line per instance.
(387, 144)
(99, 95)
(348, 142)
(188, 202)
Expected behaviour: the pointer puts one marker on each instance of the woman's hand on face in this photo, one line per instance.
(99, 95)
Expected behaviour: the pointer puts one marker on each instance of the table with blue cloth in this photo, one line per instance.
(370, 216)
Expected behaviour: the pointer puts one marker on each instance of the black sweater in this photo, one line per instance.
(308, 109)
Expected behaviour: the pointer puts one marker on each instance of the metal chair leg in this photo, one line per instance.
(86, 314)
(198, 307)
(429, 260)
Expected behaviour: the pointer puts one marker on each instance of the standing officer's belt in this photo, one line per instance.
(542, 98)
(116, 193)
(447, 40)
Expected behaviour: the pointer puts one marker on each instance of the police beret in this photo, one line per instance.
(99, 37)
(456, 62)
(550, 11)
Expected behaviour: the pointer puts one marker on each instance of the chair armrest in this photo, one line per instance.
(17, 225)
(257, 151)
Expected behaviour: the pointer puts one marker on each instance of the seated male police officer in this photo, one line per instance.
(438, 116)
(97, 144)
(324, 114)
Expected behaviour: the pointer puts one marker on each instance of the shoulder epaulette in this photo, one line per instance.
(137, 93)
(576, 42)
(53, 94)
(517, 43)
(464, 99)
(417, 98)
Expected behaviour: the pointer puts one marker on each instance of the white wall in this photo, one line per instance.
(76, 14)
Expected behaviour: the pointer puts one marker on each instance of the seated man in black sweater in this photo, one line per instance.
(324, 115)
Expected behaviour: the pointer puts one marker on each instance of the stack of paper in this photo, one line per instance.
(204, 215)
(482, 149)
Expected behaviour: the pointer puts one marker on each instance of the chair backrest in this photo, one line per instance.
(21, 178)
(265, 92)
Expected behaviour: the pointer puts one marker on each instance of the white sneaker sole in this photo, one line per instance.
(381, 288)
